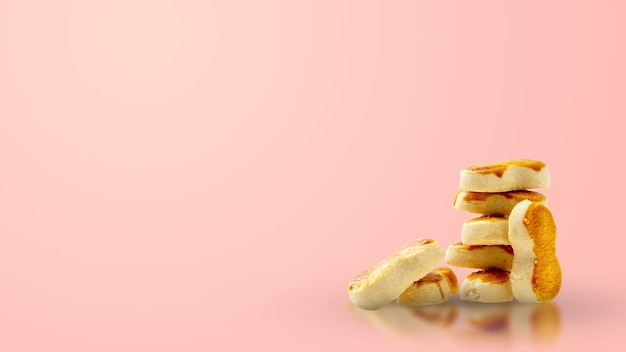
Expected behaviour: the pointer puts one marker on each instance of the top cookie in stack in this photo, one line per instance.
(504, 176)
(492, 190)
(495, 188)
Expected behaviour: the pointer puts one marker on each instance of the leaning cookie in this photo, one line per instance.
(382, 283)
(480, 257)
(434, 288)
(509, 175)
(487, 286)
(536, 272)
(494, 203)
(486, 230)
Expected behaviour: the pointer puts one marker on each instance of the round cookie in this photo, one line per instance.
(480, 257)
(486, 230)
(434, 288)
(508, 175)
(536, 272)
(382, 283)
(494, 203)
(487, 286)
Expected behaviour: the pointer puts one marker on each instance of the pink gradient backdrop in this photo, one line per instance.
(197, 176)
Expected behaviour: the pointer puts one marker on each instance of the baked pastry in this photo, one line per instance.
(434, 288)
(382, 283)
(487, 286)
(508, 175)
(480, 257)
(494, 203)
(536, 272)
(486, 230)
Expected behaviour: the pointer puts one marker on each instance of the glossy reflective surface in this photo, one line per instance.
(197, 175)
(469, 324)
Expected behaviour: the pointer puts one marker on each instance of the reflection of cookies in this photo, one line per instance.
(487, 286)
(486, 230)
(470, 324)
(397, 320)
(546, 323)
(537, 323)
(536, 272)
(494, 203)
(434, 288)
(442, 315)
(480, 257)
(490, 317)
(385, 281)
(509, 175)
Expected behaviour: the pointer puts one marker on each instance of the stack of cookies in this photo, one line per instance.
(513, 241)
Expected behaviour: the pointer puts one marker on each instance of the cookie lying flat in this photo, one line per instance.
(382, 283)
(434, 288)
(486, 230)
(480, 257)
(487, 286)
(494, 203)
(536, 272)
(509, 175)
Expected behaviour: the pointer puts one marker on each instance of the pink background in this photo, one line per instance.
(196, 175)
